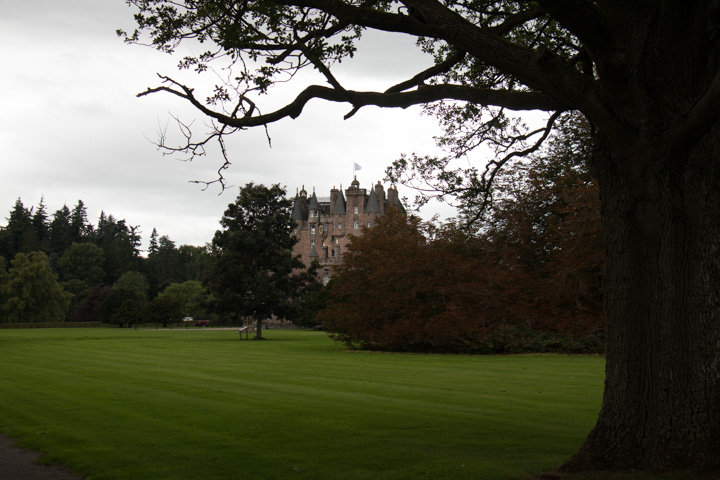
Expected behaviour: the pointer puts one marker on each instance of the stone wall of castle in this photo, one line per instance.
(324, 225)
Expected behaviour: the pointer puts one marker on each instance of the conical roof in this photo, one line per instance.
(297, 211)
(314, 204)
(373, 205)
(339, 206)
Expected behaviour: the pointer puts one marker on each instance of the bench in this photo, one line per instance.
(244, 329)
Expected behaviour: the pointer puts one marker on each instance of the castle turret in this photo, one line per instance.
(326, 225)
(300, 211)
(339, 205)
(373, 205)
(297, 211)
(314, 208)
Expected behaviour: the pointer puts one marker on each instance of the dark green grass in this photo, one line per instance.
(177, 404)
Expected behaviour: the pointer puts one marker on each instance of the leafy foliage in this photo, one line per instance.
(88, 309)
(396, 292)
(191, 296)
(121, 308)
(85, 257)
(84, 262)
(164, 309)
(529, 280)
(32, 291)
(255, 273)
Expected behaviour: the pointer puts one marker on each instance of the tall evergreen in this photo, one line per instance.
(40, 225)
(20, 233)
(60, 237)
(80, 228)
(121, 244)
(255, 273)
(163, 264)
(196, 261)
(153, 245)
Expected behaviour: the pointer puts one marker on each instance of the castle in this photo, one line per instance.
(324, 225)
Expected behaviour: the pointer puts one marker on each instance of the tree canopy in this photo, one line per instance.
(530, 280)
(255, 273)
(32, 291)
(87, 260)
(646, 77)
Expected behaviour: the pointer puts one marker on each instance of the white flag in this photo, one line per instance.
(356, 167)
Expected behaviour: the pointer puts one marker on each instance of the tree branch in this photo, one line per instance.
(583, 19)
(539, 70)
(494, 166)
(512, 100)
(418, 79)
(514, 21)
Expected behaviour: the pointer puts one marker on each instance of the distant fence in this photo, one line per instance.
(53, 325)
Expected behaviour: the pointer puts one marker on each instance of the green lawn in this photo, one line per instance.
(181, 404)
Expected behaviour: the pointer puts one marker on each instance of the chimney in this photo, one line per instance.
(380, 194)
(393, 198)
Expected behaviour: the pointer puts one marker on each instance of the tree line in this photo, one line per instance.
(528, 277)
(61, 267)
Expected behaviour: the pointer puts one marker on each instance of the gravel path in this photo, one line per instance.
(20, 464)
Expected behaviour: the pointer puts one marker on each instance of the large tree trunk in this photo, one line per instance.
(661, 223)
(258, 328)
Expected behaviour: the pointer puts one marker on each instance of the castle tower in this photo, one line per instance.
(324, 226)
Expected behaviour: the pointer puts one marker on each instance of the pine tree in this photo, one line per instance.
(255, 273)
(80, 229)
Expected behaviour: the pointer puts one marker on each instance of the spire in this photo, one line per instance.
(297, 211)
(314, 204)
(339, 206)
(373, 205)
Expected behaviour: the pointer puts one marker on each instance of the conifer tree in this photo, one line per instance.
(255, 274)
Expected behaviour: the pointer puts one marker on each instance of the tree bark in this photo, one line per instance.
(661, 227)
(258, 328)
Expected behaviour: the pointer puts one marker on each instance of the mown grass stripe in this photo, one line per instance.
(180, 404)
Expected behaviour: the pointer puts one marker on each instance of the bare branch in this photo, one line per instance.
(196, 149)
(513, 100)
(494, 166)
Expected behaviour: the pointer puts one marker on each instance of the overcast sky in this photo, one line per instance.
(71, 126)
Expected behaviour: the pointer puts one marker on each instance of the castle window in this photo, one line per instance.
(339, 226)
(368, 225)
(312, 243)
(355, 210)
(356, 225)
(312, 229)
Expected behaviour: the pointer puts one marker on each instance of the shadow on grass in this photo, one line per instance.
(623, 475)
